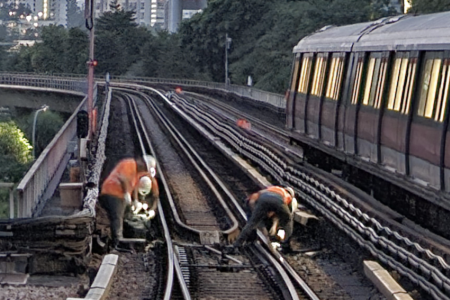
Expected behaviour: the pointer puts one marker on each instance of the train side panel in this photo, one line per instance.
(290, 105)
(330, 105)
(301, 97)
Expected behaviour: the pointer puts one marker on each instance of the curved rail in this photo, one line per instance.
(145, 143)
(291, 292)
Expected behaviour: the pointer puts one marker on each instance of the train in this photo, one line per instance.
(374, 97)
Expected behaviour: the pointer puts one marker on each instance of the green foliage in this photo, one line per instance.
(76, 51)
(21, 61)
(163, 57)
(15, 152)
(429, 6)
(118, 41)
(14, 143)
(49, 54)
(3, 58)
(48, 123)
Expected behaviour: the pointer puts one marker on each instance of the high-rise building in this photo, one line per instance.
(58, 12)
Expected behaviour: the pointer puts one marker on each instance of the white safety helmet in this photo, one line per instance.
(293, 205)
(290, 191)
(151, 164)
(145, 185)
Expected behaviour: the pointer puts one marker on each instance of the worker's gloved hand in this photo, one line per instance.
(281, 234)
(151, 214)
(145, 206)
(127, 198)
(137, 207)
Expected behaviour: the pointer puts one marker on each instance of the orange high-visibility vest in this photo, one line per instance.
(127, 170)
(287, 198)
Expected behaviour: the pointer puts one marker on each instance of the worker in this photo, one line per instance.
(244, 124)
(117, 188)
(275, 203)
(146, 196)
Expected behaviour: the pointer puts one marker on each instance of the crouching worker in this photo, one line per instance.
(116, 190)
(146, 197)
(274, 203)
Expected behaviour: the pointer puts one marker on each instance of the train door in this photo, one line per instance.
(369, 113)
(330, 104)
(290, 105)
(425, 141)
(395, 117)
(313, 102)
(350, 103)
(344, 101)
(301, 97)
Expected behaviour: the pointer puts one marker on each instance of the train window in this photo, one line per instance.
(409, 85)
(304, 74)
(444, 86)
(335, 77)
(357, 84)
(403, 73)
(319, 75)
(376, 75)
(295, 73)
(434, 87)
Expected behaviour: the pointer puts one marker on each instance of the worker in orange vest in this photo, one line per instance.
(117, 188)
(275, 203)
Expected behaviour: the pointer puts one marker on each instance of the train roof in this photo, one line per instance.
(404, 32)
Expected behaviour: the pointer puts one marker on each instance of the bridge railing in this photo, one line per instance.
(273, 99)
(31, 189)
(73, 80)
(34, 185)
(78, 84)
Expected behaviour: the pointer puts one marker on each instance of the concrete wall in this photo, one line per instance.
(29, 99)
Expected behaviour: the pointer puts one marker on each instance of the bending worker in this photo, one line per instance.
(146, 196)
(275, 203)
(116, 190)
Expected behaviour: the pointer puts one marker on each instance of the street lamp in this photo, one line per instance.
(227, 47)
(43, 108)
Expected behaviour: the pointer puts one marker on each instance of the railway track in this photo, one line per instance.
(199, 214)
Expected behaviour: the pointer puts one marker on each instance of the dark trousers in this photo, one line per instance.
(267, 202)
(115, 207)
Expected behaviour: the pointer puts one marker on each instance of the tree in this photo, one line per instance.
(3, 58)
(118, 41)
(48, 124)
(429, 6)
(15, 152)
(76, 51)
(163, 56)
(21, 60)
(49, 55)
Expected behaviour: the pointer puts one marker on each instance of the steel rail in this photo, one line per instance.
(140, 130)
(200, 166)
